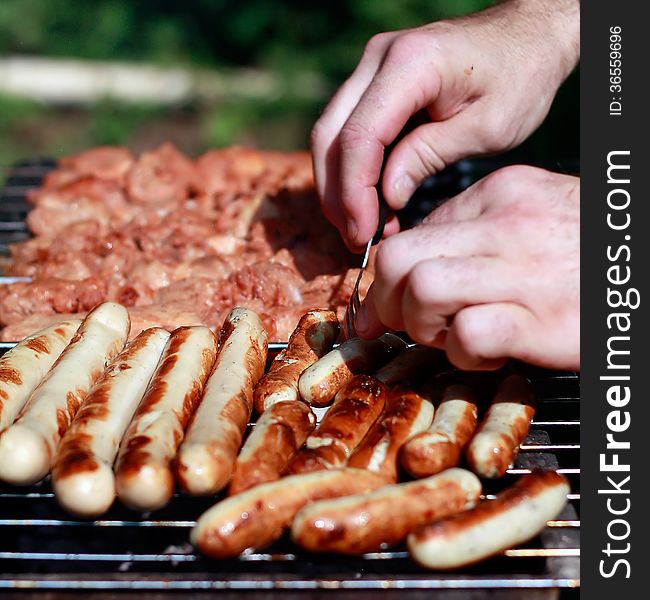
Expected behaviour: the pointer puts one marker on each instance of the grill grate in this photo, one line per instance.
(41, 547)
(16, 182)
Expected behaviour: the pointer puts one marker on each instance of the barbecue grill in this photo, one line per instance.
(43, 548)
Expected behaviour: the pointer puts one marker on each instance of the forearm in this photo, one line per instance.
(549, 29)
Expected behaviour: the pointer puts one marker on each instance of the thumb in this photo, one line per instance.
(425, 151)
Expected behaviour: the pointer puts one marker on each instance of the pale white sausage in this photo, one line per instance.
(504, 427)
(319, 383)
(313, 337)
(407, 413)
(23, 367)
(441, 445)
(82, 475)
(143, 473)
(206, 458)
(278, 433)
(27, 447)
(412, 365)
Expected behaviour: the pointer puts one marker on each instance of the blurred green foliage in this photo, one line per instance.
(323, 35)
(285, 37)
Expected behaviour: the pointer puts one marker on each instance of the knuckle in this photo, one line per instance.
(354, 135)
(376, 44)
(508, 181)
(407, 47)
(483, 336)
(469, 332)
(430, 160)
(319, 134)
(443, 213)
(422, 293)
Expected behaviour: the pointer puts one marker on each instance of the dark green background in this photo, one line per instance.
(283, 37)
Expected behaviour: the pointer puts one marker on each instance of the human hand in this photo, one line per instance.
(493, 273)
(486, 81)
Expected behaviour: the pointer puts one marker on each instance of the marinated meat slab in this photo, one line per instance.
(178, 241)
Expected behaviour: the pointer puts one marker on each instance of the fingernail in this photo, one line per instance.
(353, 230)
(361, 320)
(404, 188)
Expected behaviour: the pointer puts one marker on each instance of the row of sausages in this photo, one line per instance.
(175, 407)
(335, 487)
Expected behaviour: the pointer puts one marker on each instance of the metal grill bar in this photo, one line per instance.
(146, 523)
(37, 495)
(546, 552)
(4, 226)
(553, 447)
(178, 558)
(167, 583)
(526, 471)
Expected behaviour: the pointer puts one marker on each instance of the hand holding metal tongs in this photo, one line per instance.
(355, 303)
(419, 118)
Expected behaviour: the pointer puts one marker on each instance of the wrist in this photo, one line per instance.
(544, 32)
(555, 24)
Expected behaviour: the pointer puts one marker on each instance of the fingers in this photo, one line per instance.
(482, 279)
(482, 337)
(324, 137)
(398, 255)
(374, 123)
(423, 300)
(494, 191)
(437, 289)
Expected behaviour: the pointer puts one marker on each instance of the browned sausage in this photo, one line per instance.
(258, 516)
(82, 476)
(356, 407)
(143, 472)
(368, 522)
(516, 515)
(24, 366)
(27, 447)
(207, 456)
(505, 426)
(406, 414)
(278, 433)
(319, 383)
(313, 337)
(440, 447)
